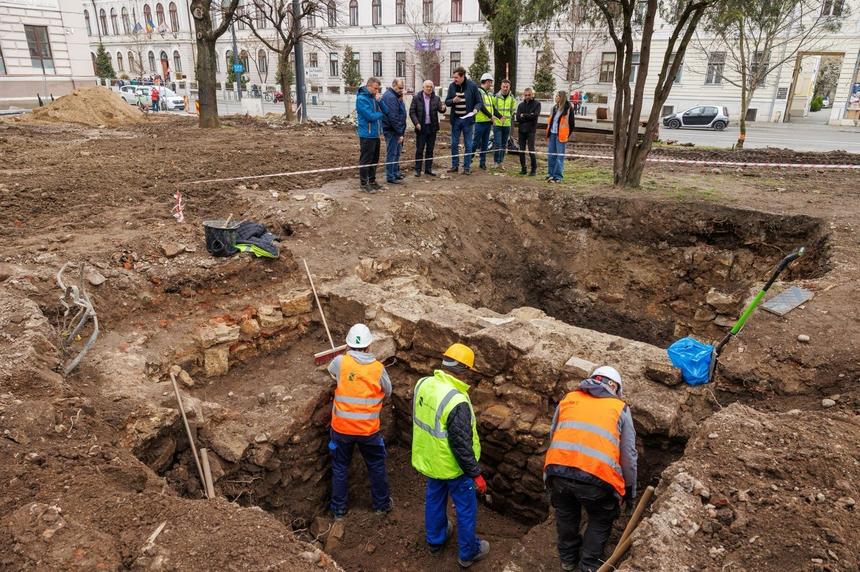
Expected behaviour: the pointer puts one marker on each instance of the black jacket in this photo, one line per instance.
(460, 439)
(528, 113)
(416, 110)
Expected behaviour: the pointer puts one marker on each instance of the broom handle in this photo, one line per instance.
(322, 314)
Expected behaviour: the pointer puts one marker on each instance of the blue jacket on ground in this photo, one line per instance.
(369, 112)
(470, 92)
(394, 120)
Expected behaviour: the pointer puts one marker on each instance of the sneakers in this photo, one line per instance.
(568, 566)
(437, 548)
(483, 167)
(400, 176)
(418, 173)
(394, 182)
(374, 186)
(523, 171)
(430, 173)
(532, 173)
(467, 171)
(339, 515)
(483, 551)
(453, 170)
(387, 509)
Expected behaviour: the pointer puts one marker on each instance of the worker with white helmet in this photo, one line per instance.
(590, 464)
(484, 119)
(362, 385)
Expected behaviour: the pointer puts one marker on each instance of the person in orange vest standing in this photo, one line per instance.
(591, 464)
(362, 385)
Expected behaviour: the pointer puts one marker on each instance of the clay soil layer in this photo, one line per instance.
(760, 468)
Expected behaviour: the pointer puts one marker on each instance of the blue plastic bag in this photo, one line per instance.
(693, 358)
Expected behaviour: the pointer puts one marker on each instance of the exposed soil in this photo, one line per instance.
(612, 260)
(91, 106)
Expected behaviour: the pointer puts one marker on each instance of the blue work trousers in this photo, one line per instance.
(373, 450)
(392, 155)
(555, 157)
(481, 143)
(463, 127)
(462, 492)
(500, 143)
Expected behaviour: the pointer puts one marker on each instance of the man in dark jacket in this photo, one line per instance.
(393, 129)
(528, 113)
(424, 113)
(446, 449)
(464, 100)
(369, 110)
(591, 464)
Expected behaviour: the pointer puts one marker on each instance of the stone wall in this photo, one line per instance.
(526, 362)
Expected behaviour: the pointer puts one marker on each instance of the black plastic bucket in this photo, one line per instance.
(220, 237)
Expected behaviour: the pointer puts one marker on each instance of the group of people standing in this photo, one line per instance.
(475, 113)
(590, 463)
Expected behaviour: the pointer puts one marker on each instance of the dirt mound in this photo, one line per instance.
(91, 106)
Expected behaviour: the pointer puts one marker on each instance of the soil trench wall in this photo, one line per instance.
(526, 361)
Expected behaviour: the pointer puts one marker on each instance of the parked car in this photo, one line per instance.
(129, 93)
(825, 103)
(702, 116)
(170, 100)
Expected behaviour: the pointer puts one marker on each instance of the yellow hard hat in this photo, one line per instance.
(462, 354)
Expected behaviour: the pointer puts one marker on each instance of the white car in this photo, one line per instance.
(129, 93)
(169, 99)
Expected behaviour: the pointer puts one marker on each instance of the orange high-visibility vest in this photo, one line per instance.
(563, 127)
(587, 437)
(357, 398)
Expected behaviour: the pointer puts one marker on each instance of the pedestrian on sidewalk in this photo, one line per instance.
(505, 104)
(369, 109)
(558, 129)
(424, 113)
(446, 449)
(394, 129)
(591, 464)
(362, 384)
(153, 94)
(528, 113)
(463, 99)
(484, 119)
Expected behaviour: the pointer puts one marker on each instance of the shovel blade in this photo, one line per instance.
(328, 355)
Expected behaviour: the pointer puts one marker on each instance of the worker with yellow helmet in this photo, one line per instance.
(446, 449)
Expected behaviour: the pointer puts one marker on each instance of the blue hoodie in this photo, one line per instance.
(369, 112)
(394, 120)
(627, 445)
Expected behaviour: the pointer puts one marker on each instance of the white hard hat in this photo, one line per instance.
(608, 372)
(486, 76)
(359, 336)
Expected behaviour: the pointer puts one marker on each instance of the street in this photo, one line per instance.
(798, 136)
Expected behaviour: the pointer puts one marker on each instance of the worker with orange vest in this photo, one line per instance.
(590, 464)
(362, 385)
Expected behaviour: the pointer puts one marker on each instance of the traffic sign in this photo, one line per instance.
(238, 68)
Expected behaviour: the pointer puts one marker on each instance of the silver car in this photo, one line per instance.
(702, 116)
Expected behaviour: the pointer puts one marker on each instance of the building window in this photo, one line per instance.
(126, 23)
(333, 68)
(165, 63)
(262, 62)
(95, 67)
(455, 62)
(119, 62)
(353, 12)
(400, 11)
(131, 64)
(376, 12)
(574, 66)
(758, 68)
(716, 62)
(634, 67)
(245, 59)
(456, 10)
(151, 57)
(261, 17)
(639, 13)
(312, 21)
(147, 17)
(332, 14)
(114, 22)
(2, 63)
(607, 67)
(103, 22)
(400, 64)
(377, 64)
(240, 11)
(174, 17)
(832, 7)
(428, 11)
(313, 60)
(481, 17)
(159, 14)
(87, 22)
(215, 13)
(680, 73)
(228, 57)
(177, 62)
(40, 48)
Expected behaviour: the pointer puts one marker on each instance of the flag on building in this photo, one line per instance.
(137, 28)
(150, 27)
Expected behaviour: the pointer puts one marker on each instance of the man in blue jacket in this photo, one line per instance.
(464, 100)
(393, 129)
(369, 109)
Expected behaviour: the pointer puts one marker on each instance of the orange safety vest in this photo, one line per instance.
(357, 398)
(563, 128)
(587, 437)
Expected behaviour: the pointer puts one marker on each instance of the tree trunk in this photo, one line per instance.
(283, 73)
(504, 54)
(206, 83)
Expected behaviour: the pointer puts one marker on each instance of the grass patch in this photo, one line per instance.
(580, 176)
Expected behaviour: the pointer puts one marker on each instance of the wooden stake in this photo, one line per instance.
(325, 324)
(625, 541)
(207, 473)
(188, 432)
